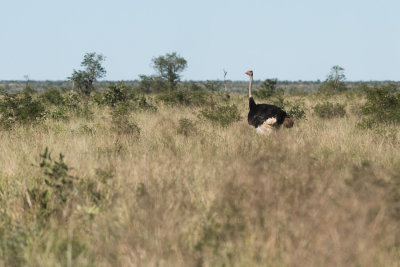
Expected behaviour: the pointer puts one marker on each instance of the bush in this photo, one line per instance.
(296, 111)
(268, 89)
(19, 108)
(141, 103)
(332, 87)
(120, 96)
(221, 115)
(191, 86)
(53, 97)
(72, 100)
(383, 104)
(121, 122)
(185, 97)
(60, 113)
(58, 191)
(213, 86)
(151, 84)
(115, 94)
(335, 82)
(329, 110)
(367, 124)
(279, 99)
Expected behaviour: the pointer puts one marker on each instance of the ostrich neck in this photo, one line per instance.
(250, 84)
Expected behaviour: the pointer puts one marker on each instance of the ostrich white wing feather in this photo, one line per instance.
(267, 127)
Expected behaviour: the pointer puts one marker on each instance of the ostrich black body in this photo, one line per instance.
(259, 113)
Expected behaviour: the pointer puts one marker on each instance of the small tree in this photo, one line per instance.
(268, 88)
(169, 67)
(383, 104)
(334, 83)
(83, 79)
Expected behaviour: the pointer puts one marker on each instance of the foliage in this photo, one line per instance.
(59, 113)
(190, 86)
(169, 67)
(329, 110)
(57, 178)
(213, 86)
(150, 84)
(72, 100)
(296, 111)
(52, 96)
(268, 89)
(278, 99)
(334, 83)
(84, 79)
(221, 115)
(184, 97)
(383, 104)
(19, 108)
(115, 94)
(122, 124)
(55, 191)
(81, 80)
(141, 103)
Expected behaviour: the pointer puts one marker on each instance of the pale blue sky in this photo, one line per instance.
(286, 39)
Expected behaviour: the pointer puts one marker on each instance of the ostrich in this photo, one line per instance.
(266, 118)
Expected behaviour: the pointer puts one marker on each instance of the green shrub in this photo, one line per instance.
(152, 84)
(221, 115)
(141, 103)
(365, 123)
(122, 123)
(278, 99)
(213, 86)
(185, 97)
(60, 113)
(72, 100)
(54, 191)
(383, 104)
(329, 110)
(86, 112)
(332, 87)
(334, 83)
(53, 97)
(268, 89)
(19, 108)
(296, 111)
(191, 86)
(121, 110)
(57, 178)
(115, 94)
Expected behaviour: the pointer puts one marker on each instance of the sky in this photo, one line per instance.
(285, 39)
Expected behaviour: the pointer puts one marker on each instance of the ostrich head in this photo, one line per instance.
(250, 73)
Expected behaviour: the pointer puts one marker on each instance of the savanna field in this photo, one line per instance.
(179, 178)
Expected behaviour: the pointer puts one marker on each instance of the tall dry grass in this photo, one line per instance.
(324, 193)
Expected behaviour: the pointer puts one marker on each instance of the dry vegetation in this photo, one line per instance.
(187, 192)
